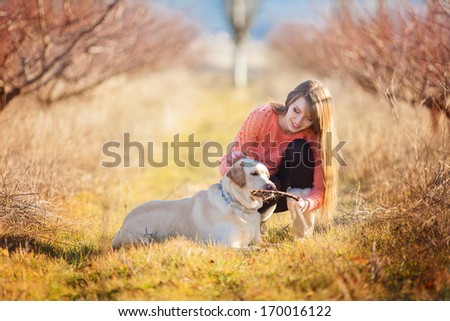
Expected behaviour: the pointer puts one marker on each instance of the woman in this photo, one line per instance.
(293, 140)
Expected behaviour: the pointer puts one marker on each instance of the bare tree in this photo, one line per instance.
(403, 54)
(240, 15)
(30, 55)
(59, 48)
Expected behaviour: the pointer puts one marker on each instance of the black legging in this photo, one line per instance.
(296, 171)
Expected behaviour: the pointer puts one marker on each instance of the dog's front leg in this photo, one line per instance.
(237, 245)
(264, 219)
(257, 240)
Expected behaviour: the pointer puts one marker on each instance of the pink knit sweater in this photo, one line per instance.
(261, 138)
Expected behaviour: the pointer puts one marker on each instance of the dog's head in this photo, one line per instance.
(247, 175)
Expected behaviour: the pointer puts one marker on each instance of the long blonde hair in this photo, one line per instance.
(318, 99)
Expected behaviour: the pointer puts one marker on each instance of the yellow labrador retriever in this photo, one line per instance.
(224, 214)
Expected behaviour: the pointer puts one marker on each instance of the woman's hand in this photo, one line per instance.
(301, 204)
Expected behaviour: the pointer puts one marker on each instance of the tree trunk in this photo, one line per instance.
(240, 15)
(240, 63)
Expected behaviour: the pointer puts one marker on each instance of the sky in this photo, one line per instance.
(210, 14)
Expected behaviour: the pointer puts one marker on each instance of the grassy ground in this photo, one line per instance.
(60, 208)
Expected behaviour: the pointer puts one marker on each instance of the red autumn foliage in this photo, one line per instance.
(60, 48)
(402, 53)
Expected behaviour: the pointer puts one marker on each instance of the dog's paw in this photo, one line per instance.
(250, 248)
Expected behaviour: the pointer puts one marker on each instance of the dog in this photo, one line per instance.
(224, 214)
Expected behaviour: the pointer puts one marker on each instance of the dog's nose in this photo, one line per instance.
(270, 187)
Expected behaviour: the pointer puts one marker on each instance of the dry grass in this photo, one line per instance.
(390, 240)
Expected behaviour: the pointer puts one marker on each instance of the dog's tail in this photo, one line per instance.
(116, 241)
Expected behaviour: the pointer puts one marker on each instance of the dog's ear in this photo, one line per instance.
(237, 175)
(248, 163)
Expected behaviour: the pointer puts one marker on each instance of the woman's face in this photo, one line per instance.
(298, 117)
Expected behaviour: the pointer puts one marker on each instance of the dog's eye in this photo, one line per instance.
(254, 174)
